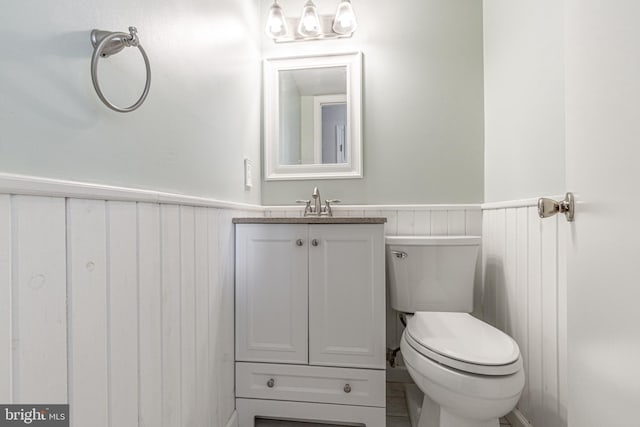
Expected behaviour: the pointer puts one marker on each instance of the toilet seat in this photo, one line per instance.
(462, 342)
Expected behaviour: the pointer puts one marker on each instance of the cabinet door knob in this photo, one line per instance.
(271, 383)
(347, 388)
(299, 242)
(315, 242)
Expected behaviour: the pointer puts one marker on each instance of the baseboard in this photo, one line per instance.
(516, 419)
(399, 374)
(233, 420)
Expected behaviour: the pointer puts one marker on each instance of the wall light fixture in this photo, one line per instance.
(276, 22)
(310, 25)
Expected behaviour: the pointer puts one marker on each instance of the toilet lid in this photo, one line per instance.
(461, 341)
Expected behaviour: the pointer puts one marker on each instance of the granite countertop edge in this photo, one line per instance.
(311, 220)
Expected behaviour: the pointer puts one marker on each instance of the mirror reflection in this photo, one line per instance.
(313, 116)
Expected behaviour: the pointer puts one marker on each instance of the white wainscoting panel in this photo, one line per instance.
(6, 368)
(149, 314)
(123, 309)
(224, 370)
(525, 296)
(88, 323)
(122, 303)
(38, 291)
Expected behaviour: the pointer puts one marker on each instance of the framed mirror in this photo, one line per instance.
(312, 117)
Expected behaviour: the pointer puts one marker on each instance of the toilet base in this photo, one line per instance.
(414, 399)
(424, 412)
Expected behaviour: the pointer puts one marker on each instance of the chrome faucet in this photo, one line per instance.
(317, 202)
(317, 209)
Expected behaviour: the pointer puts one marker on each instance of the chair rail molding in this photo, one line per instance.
(49, 187)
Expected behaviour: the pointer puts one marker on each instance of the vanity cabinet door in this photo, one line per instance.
(347, 295)
(272, 293)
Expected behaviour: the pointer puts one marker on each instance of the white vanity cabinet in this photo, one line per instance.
(346, 296)
(310, 325)
(272, 293)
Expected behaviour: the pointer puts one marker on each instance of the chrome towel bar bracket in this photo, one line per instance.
(107, 43)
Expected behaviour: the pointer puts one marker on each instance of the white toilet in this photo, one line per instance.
(469, 371)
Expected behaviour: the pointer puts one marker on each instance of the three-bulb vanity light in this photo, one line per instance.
(310, 25)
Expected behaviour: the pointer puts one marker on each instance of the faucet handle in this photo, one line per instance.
(327, 206)
(307, 207)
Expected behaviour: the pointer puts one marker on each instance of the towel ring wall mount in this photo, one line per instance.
(107, 43)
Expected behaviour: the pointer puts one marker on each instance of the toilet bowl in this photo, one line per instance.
(470, 372)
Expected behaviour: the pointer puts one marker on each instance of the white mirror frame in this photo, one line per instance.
(272, 167)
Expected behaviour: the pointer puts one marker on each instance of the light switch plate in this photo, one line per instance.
(248, 174)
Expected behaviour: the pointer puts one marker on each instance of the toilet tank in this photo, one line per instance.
(431, 273)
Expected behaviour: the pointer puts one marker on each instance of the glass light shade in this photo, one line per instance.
(309, 25)
(345, 20)
(276, 22)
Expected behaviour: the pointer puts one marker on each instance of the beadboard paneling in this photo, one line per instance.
(135, 299)
(6, 368)
(525, 296)
(224, 366)
(88, 323)
(122, 297)
(38, 282)
(149, 314)
(436, 220)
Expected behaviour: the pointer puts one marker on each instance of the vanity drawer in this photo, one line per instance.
(365, 387)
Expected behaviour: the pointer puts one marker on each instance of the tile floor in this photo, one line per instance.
(397, 415)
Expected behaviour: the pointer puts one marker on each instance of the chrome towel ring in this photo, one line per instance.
(107, 43)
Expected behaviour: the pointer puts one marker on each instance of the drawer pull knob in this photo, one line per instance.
(271, 383)
(315, 242)
(347, 388)
(299, 242)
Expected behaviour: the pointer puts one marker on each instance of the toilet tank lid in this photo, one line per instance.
(433, 240)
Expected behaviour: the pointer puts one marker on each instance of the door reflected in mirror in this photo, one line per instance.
(312, 117)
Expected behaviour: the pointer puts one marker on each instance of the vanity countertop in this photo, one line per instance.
(311, 220)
